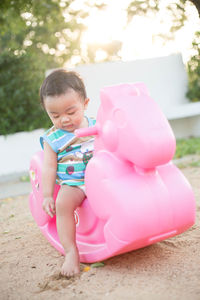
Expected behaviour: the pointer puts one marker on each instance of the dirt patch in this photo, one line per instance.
(30, 265)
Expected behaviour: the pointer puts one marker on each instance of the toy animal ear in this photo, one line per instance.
(106, 101)
(141, 88)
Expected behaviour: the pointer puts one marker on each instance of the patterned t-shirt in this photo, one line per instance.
(73, 153)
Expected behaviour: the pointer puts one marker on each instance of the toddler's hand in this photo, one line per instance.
(48, 206)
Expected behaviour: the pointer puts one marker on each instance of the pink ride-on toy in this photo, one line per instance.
(135, 195)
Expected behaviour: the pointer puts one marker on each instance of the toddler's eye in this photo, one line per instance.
(71, 113)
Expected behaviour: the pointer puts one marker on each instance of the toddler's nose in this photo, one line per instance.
(65, 119)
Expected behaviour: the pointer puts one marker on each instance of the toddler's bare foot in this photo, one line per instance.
(71, 265)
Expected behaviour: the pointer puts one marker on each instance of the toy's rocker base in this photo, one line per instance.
(135, 195)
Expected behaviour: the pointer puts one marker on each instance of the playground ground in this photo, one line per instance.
(29, 265)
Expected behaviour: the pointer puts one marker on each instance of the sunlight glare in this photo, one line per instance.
(106, 25)
(142, 37)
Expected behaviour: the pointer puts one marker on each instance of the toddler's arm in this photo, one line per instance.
(49, 179)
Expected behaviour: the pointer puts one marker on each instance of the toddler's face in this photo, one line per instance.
(66, 111)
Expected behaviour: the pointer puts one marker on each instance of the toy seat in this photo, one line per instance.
(135, 195)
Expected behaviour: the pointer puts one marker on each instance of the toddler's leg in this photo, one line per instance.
(68, 199)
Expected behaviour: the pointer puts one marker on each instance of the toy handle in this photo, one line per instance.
(86, 131)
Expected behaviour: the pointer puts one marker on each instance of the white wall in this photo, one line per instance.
(16, 151)
(165, 77)
(186, 127)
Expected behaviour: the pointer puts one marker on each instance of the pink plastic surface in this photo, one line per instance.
(135, 195)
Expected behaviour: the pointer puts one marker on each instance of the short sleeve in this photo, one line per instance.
(47, 137)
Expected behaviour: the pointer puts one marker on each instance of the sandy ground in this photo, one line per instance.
(30, 265)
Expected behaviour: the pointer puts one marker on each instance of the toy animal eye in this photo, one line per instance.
(119, 117)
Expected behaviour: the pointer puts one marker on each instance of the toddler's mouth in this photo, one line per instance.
(66, 127)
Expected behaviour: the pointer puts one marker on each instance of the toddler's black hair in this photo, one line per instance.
(59, 82)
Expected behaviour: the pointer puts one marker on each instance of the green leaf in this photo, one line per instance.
(25, 178)
(97, 265)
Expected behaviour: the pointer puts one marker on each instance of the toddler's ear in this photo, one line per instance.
(86, 103)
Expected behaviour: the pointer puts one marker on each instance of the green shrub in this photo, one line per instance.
(194, 71)
(187, 147)
(20, 79)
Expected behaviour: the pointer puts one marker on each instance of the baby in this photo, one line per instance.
(64, 98)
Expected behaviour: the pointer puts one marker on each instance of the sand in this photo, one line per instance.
(29, 265)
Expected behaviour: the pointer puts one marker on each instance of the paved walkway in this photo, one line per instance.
(14, 185)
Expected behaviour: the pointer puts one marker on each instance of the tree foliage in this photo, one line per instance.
(194, 71)
(40, 27)
(178, 11)
(31, 34)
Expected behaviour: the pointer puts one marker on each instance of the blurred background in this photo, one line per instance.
(39, 35)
